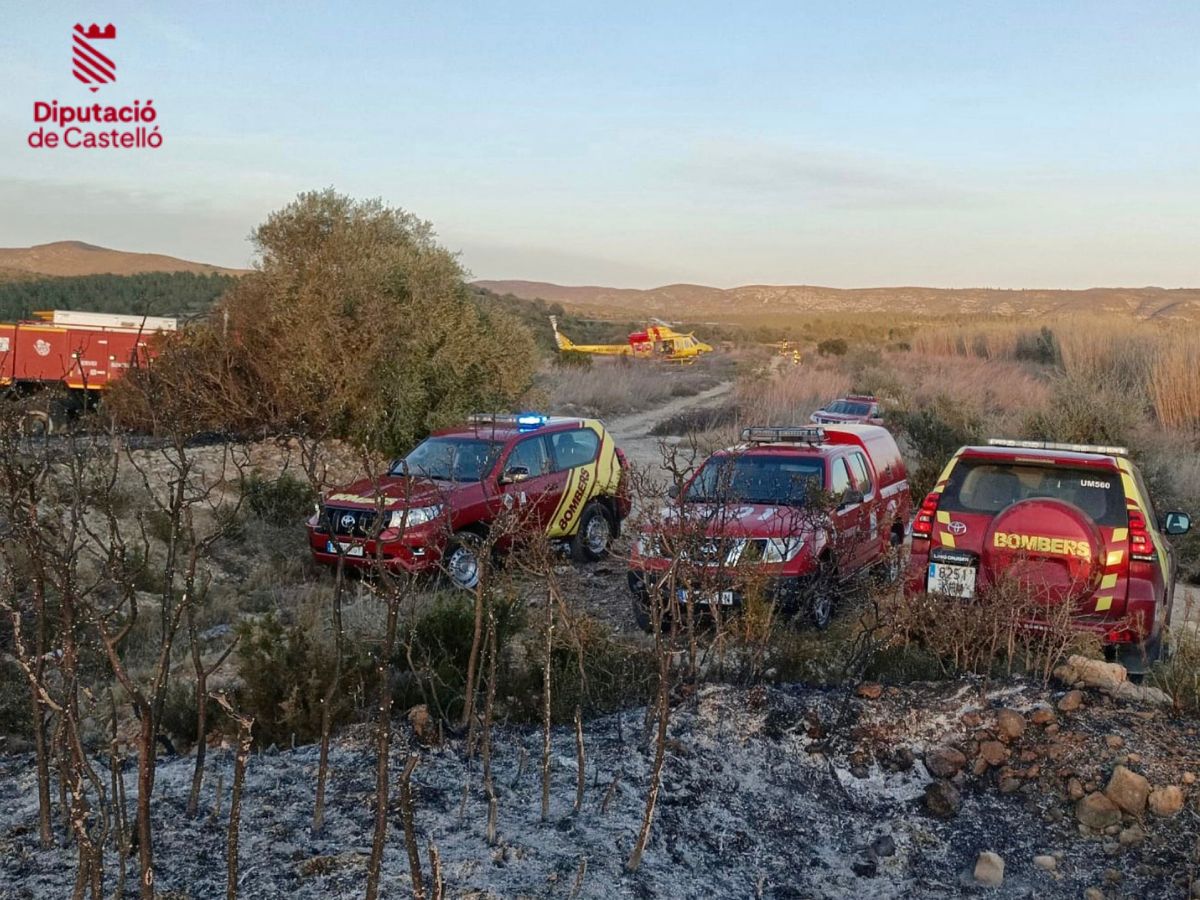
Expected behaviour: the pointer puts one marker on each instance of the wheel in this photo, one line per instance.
(822, 597)
(1138, 659)
(37, 424)
(594, 535)
(461, 560)
(641, 601)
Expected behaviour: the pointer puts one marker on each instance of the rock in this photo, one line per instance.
(866, 868)
(870, 690)
(1142, 694)
(989, 869)
(1114, 741)
(1045, 862)
(1189, 777)
(972, 719)
(424, 726)
(1097, 811)
(1010, 785)
(1041, 715)
(979, 766)
(1093, 894)
(944, 762)
(904, 759)
(1167, 801)
(1092, 673)
(1075, 789)
(1128, 790)
(1052, 728)
(942, 799)
(994, 752)
(883, 847)
(1071, 701)
(1010, 725)
(1131, 836)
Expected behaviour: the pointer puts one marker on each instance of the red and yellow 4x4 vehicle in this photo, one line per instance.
(750, 518)
(563, 478)
(1064, 523)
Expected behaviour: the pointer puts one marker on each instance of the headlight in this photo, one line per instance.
(781, 550)
(409, 518)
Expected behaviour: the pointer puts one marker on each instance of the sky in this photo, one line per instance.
(989, 144)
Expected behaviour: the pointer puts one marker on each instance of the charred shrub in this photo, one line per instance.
(281, 501)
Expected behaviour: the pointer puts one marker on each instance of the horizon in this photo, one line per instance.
(928, 146)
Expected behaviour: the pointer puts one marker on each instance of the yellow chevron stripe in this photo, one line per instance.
(1108, 581)
(947, 539)
(1103, 603)
(943, 517)
(1120, 534)
(1115, 557)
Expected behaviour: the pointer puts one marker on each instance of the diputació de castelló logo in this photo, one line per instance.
(96, 126)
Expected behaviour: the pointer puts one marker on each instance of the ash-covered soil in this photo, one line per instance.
(764, 795)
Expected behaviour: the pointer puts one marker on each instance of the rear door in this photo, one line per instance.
(574, 452)
(871, 542)
(847, 516)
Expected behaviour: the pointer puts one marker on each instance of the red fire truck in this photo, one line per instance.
(79, 352)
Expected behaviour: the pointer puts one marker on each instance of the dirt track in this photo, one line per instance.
(633, 431)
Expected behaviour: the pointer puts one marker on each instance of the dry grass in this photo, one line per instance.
(612, 387)
(1174, 381)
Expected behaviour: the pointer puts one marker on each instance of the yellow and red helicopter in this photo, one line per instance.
(658, 341)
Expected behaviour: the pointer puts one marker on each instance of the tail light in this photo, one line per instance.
(1140, 545)
(923, 523)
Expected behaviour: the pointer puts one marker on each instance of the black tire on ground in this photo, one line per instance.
(641, 614)
(1138, 659)
(595, 534)
(461, 563)
(823, 596)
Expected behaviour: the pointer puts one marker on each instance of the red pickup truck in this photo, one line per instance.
(750, 516)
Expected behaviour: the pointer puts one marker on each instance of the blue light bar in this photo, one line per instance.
(530, 421)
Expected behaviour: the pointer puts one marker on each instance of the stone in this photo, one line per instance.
(1010, 725)
(989, 869)
(1093, 893)
(1114, 741)
(1144, 694)
(1041, 715)
(979, 766)
(972, 719)
(1189, 777)
(1010, 785)
(866, 868)
(904, 759)
(1131, 836)
(1167, 801)
(883, 847)
(424, 726)
(942, 799)
(944, 762)
(1052, 728)
(1092, 673)
(870, 690)
(1128, 790)
(1045, 862)
(1075, 789)
(1097, 811)
(994, 752)
(1071, 701)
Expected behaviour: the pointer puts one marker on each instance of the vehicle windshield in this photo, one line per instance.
(848, 408)
(449, 459)
(977, 486)
(764, 479)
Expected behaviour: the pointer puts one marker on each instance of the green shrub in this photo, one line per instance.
(1038, 347)
(282, 501)
(1086, 410)
(933, 433)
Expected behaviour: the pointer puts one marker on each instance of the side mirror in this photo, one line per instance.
(514, 475)
(673, 491)
(850, 497)
(1176, 523)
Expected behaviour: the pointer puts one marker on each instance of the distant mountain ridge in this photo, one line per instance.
(68, 258)
(696, 302)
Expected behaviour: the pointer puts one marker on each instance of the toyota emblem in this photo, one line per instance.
(348, 521)
(957, 527)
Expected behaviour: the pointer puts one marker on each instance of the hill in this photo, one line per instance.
(756, 302)
(69, 258)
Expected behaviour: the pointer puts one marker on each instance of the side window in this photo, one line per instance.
(860, 474)
(530, 453)
(840, 482)
(574, 448)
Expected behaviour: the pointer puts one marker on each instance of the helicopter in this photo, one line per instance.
(658, 341)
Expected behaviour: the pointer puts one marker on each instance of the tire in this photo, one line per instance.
(1139, 659)
(822, 597)
(641, 601)
(595, 534)
(37, 424)
(461, 562)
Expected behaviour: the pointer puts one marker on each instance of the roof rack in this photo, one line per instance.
(1050, 445)
(787, 434)
(870, 398)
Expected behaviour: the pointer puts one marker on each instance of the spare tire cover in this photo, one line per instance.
(1050, 548)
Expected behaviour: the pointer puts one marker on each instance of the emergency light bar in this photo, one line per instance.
(794, 434)
(1049, 445)
(526, 421)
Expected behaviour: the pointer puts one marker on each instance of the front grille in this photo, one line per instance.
(351, 522)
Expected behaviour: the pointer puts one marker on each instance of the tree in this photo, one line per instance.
(356, 324)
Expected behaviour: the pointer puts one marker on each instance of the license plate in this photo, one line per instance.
(719, 598)
(348, 549)
(952, 581)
